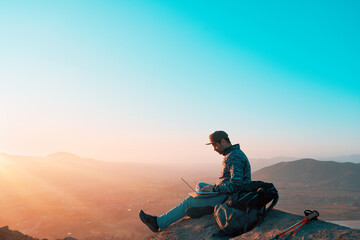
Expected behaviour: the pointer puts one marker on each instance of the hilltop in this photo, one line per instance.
(206, 228)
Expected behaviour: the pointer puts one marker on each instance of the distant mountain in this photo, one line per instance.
(67, 171)
(355, 158)
(258, 163)
(62, 169)
(310, 173)
(62, 155)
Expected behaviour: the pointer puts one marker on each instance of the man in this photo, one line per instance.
(235, 175)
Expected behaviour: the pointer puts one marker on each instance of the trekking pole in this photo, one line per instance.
(286, 231)
(295, 230)
(310, 215)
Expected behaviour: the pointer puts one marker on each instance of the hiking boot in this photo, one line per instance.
(196, 212)
(149, 220)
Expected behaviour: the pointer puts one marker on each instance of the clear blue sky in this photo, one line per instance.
(149, 80)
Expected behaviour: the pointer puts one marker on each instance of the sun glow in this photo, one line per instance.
(45, 191)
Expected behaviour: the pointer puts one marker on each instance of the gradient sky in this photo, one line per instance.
(149, 80)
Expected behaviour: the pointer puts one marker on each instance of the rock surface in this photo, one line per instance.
(277, 221)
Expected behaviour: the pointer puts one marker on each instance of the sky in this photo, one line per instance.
(148, 81)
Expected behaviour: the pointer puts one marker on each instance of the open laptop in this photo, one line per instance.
(198, 193)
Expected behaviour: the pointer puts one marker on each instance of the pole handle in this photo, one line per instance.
(311, 215)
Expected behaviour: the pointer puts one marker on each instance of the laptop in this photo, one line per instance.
(199, 193)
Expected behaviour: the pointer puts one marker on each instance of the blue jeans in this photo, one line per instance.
(179, 211)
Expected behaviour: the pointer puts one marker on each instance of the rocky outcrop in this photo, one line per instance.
(277, 221)
(7, 234)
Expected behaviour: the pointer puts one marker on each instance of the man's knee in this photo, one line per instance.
(189, 201)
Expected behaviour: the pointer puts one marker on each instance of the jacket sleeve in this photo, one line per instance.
(239, 175)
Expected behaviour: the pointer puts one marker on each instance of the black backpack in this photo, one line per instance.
(242, 211)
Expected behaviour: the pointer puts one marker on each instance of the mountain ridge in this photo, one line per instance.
(312, 173)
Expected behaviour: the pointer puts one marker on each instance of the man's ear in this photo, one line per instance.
(223, 141)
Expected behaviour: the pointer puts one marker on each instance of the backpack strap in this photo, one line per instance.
(265, 211)
(273, 203)
(227, 197)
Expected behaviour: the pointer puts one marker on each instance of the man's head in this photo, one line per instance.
(220, 141)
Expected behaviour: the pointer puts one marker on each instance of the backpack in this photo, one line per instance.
(242, 211)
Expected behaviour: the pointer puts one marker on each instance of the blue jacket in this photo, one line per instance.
(235, 173)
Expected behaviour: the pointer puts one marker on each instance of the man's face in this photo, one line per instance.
(219, 147)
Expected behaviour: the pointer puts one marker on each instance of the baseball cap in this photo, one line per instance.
(217, 136)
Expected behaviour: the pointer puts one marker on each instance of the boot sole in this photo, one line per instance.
(143, 219)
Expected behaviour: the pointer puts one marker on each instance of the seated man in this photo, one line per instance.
(235, 175)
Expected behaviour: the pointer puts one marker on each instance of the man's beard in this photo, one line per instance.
(220, 152)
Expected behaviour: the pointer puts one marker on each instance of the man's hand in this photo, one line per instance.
(207, 188)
